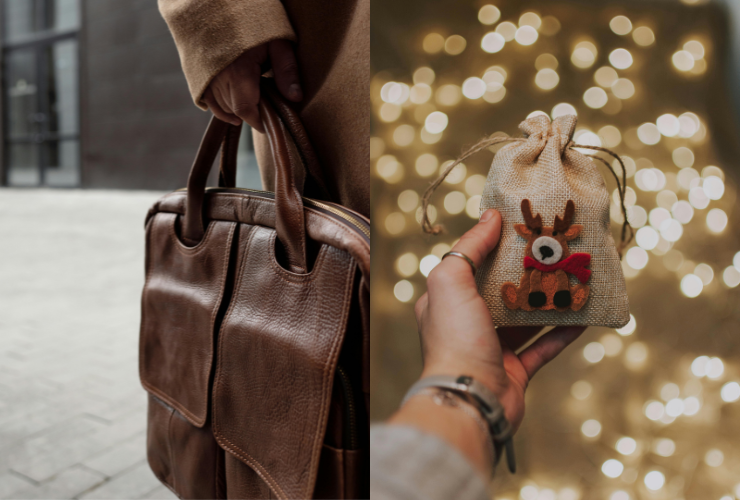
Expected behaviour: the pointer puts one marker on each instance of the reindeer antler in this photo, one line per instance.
(531, 221)
(564, 223)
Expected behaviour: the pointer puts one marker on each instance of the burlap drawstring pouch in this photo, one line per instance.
(556, 262)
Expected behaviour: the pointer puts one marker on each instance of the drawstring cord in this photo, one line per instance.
(427, 226)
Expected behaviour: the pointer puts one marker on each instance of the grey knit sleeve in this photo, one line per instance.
(407, 464)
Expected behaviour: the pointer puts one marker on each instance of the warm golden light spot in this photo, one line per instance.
(563, 109)
(407, 264)
(648, 133)
(643, 36)
(683, 157)
(448, 95)
(620, 58)
(489, 14)
(389, 112)
(606, 76)
(526, 35)
(404, 291)
(620, 25)
(547, 79)
(700, 67)
(404, 135)
(507, 30)
(431, 212)
(717, 220)
(492, 42)
(436, 122)
(472, 207)
(408, 200)
(530, 19)
(455, 202)
(546, 61)
(426, 164)
(550, 26)
(666, 199)
(455, 45)
(395, 223)
(457, 174)
(474, 88)
(695, 48)
(683, 60)
(668, 125)
(424, 75)
(595, 97)
(474, 184)
(610, 136)
(494, 96)
(433, 43)
(584, 55)
(495, 69)
(623, 88)
(428, 137)
(420, 93)
(389, 169)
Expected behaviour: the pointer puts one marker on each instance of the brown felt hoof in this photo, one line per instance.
(579, 294)
(509, 294)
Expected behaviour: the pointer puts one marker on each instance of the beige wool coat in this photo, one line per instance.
(332, 42)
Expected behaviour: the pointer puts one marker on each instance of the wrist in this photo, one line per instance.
(456, 427)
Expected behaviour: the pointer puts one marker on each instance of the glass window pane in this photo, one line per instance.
(20, 18)
(24, 18)
(22, 92)
(63, 160)
(63, 15)
(23, 164)
(62, 95)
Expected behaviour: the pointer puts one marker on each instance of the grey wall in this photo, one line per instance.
(140, 128)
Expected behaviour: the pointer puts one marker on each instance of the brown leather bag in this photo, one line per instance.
(254, 332)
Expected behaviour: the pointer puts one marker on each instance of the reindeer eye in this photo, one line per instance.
(554, 233)
(538, 231)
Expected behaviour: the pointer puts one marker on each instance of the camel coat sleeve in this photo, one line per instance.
(211, 34)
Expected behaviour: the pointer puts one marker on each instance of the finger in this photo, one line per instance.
(244, 95)
(476, 244)
(217, 111)
(516, 336)
(547, 347)
(285, 68)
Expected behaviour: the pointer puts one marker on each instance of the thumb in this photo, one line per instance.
(482, 239)
(285, 68)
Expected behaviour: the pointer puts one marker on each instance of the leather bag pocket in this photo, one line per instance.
(277, 354)
(181, 302)
(185, 458)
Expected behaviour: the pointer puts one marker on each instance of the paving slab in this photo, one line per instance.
(72, 411)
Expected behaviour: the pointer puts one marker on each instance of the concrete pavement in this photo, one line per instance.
(72, 411)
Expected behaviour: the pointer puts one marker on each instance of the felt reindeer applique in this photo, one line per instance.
(545, 285)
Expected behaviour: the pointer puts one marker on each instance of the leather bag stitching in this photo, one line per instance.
(198, 422)
(236, 450)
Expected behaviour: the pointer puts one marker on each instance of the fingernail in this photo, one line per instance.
(294, 91)
(487, 215)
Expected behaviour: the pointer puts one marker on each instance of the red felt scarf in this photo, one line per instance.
(575, 264)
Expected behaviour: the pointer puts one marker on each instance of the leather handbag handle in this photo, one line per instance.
(289, 170)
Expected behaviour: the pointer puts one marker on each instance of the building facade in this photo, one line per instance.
(94, 97)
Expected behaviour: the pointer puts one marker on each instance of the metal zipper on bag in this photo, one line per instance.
(352, 219)
(349, 402)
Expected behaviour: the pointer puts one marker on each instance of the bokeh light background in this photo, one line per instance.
(650, 411)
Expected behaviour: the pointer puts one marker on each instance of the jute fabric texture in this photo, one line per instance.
(546, 171)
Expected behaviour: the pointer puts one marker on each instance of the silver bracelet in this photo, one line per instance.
(482, 399)
(443, 397)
